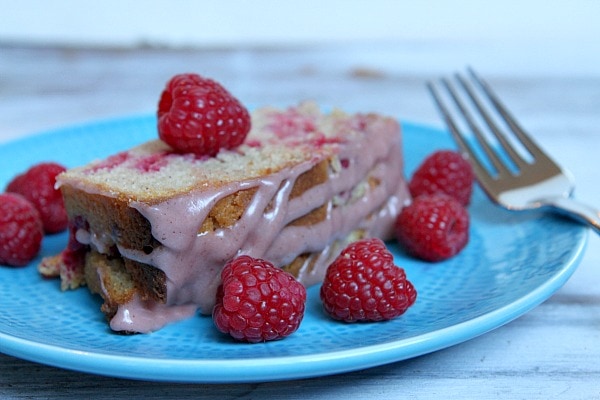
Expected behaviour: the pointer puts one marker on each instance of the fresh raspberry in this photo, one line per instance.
(258, 302)
(363, 284)
(433, 228)
(198, 115)
(21, 230)
(37, 185)
(444, 171)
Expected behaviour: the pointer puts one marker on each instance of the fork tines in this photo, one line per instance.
(518, 150)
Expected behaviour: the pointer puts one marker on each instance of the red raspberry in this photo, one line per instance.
(257, 301)
(21, 230)
(198, 115)
(363, 284)
(444, 171)
(433, 228)
(37, 186)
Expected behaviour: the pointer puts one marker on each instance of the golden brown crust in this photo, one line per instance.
(228, 210)
(108, 277)
(315, 176)
(126, 226)
(150, 282)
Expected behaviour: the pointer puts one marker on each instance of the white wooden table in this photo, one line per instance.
(551, 352)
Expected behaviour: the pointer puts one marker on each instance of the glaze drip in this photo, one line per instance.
(192, 262)
(361, 191)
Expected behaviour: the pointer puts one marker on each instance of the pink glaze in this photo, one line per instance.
(192, 262)
(148, 314)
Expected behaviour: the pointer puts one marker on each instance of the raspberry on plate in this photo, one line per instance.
(433, 228)
(444, 171)
(21, 230)
(257, 301)
(363, 284)
(198, 115)
(37, 185)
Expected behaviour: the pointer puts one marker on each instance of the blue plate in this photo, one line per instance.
(512, 263)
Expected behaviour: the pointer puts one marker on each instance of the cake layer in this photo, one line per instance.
(302, 186)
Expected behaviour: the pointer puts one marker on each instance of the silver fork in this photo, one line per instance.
(513, 170)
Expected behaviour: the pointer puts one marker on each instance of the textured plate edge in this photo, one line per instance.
(285, 368)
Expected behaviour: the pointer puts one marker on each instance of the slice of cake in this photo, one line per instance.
(152, 228)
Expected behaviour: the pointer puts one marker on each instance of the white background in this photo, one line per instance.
(535, 36)
(271, 22)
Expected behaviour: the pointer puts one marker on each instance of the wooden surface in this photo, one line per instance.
(552, 352)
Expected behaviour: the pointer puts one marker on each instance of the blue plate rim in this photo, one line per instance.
(288, 367)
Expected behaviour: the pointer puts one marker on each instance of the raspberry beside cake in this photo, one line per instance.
(152, 228)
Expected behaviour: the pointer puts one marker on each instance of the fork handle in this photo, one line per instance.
(578, 211)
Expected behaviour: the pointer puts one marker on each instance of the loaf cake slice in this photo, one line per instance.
(151, 228)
